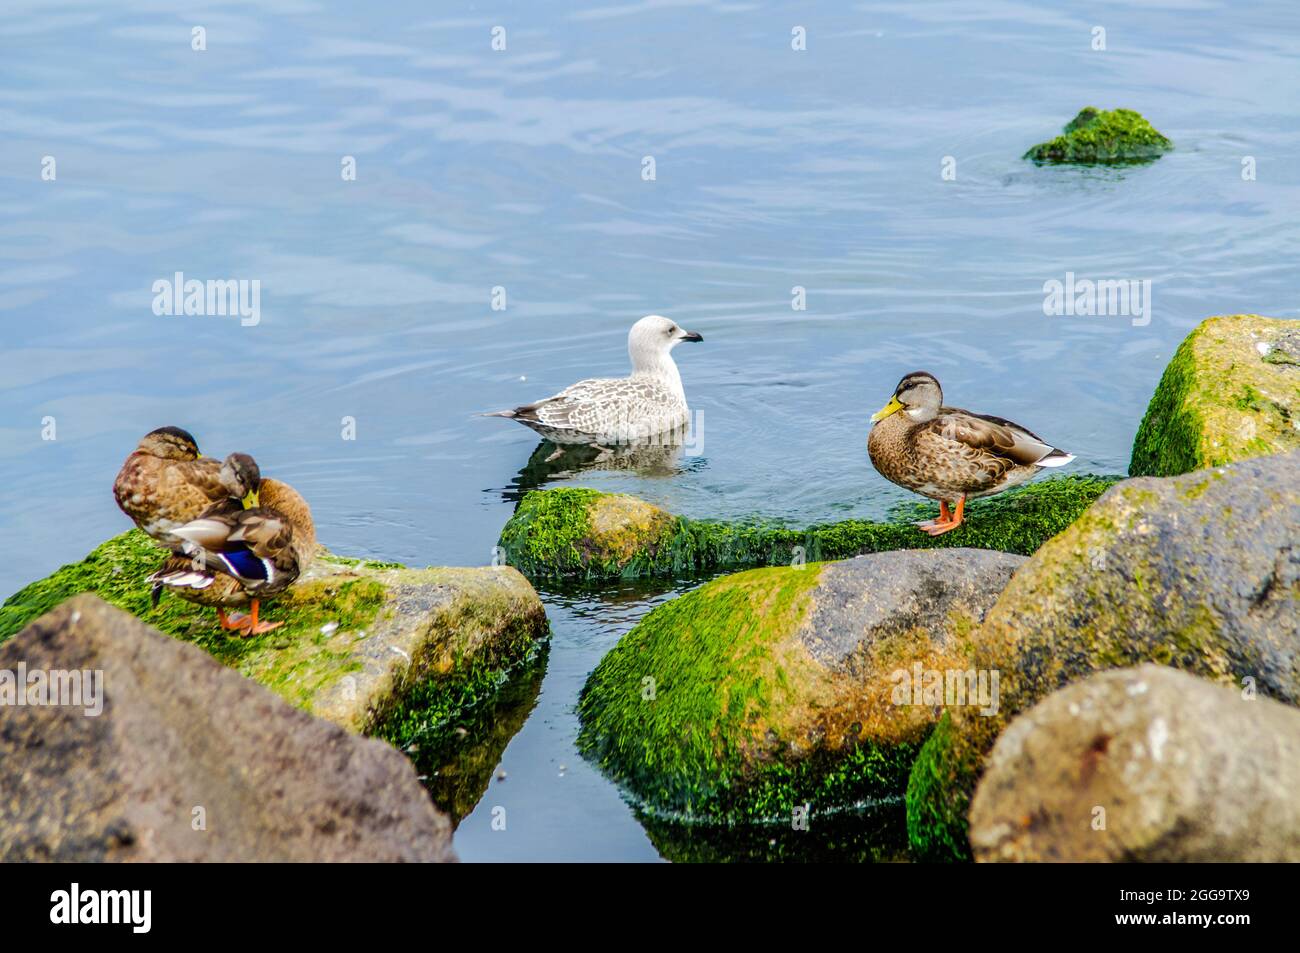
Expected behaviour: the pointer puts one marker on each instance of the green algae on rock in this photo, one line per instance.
(1103, 136)
(1195, 572)
(1232, 391)
(574, 533)
(778, 687)
(359, 638)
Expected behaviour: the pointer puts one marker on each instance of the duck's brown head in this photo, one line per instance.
(170, 443)
(242, 478)
(918, 393)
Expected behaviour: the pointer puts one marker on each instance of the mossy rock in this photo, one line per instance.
(1231, 392)
(576, 533)
(779, 687)
(374, 647)
(1197, 572)
(1103, 136)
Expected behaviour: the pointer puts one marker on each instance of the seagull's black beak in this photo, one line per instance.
(692, 336)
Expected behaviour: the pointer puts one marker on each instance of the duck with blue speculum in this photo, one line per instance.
(949, 454)
(241, 551)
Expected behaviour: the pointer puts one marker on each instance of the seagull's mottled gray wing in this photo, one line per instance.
(608, 406)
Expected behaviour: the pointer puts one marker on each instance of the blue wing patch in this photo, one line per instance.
(244, 564)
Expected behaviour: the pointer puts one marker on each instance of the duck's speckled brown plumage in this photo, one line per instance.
(956, 454)
(280, 529)
(165, 483)
(950, 454)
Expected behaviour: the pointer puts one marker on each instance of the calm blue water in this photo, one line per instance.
(522, 169)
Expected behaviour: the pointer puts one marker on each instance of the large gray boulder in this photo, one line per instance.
(1199, 572)
(806, 684)
(189, 761)
(1143, 764)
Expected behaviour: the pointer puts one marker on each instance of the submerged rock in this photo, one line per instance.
(1199, 572)
(374, 647)
(1232, 391)
(1097, 135)
(187, 761)
(1144, 764)
(585, 534)
(774, 688)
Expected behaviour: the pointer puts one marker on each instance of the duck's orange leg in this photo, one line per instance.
(253, 627)
(953, 520)
(236, 621)
(945, 517)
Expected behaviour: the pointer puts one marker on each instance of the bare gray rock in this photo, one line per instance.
(190, 761)
(1143, 764)
(873, 597)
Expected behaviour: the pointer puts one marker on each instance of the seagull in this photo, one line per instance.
(601, 410)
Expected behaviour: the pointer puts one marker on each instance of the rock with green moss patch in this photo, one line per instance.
(1187, 772)
(574, 533)
(1103, 136)
(1232, 391)
(1199, 572)
(374, 647)
(779, 687)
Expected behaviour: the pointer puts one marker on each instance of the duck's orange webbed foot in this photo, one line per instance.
(945, 517)
(252, 627)
(235, 621)
(947, 521)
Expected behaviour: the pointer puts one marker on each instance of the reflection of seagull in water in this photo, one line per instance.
(619, 410)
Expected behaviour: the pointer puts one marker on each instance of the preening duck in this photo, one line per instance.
(165, 483)
(240, 552)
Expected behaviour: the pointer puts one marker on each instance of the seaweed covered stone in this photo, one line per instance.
(361, 640)
(774, 688)
(1232, 391)
(578, 533)
(1103, 136)
(1198, 572)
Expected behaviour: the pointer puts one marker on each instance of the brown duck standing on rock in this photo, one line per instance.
(239, 552)
(949, 454)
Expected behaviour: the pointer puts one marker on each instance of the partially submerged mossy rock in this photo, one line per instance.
(1198, 572)
(374, 647)
(1097, 135)
(1231, 392)
(1187, 772)
(574, 533)
(781, 686)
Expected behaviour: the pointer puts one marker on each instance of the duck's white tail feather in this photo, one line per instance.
(1057, 458)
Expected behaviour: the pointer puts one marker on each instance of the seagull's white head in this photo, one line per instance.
(650, 341)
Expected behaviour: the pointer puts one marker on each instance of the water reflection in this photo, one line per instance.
(877, 834)
(667, 455)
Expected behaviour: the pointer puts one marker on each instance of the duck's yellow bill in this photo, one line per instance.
(250, 499)
(890, 408)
